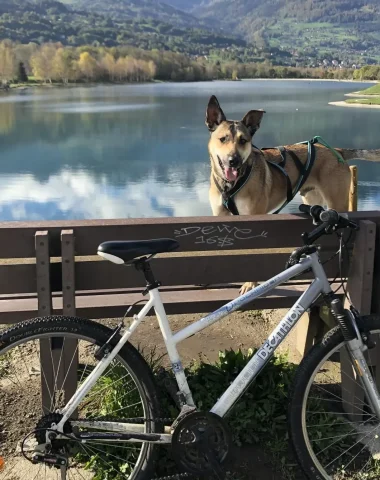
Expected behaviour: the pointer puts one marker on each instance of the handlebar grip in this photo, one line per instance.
(329, 216)
(304, 208)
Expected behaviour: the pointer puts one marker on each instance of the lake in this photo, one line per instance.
(141, 150)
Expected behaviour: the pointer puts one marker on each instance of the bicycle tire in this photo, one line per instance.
(307, 370)
(83, 329)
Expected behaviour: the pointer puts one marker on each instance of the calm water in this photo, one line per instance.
(141, 151)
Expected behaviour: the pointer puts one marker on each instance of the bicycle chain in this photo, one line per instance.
(136, 421)
(177, 476)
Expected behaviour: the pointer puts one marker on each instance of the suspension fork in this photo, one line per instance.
(356, 348)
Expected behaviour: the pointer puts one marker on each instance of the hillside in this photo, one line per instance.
(78, 24)
(349, 29)
(138, 9)
(285, 32)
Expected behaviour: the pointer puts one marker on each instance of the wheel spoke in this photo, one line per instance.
(118, 389)
(339, 434)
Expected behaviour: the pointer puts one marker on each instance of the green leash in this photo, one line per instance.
(318, 139)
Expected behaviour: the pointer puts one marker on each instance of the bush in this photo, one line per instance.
(259, 416)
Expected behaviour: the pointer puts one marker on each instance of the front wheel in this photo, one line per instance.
(334, 432)
(126, 390)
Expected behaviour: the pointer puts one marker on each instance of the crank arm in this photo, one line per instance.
(133, 437)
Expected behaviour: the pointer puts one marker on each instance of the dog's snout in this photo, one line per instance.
(234, 161)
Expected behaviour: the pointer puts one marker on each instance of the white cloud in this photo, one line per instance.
(80, 195)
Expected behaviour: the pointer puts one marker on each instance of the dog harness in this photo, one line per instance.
(304, 171)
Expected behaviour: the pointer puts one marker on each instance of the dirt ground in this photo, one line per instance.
(240, 330)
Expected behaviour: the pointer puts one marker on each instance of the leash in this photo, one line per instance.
(304, 171)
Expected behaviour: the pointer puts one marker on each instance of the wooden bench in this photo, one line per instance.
(62, 273)
(51, 268)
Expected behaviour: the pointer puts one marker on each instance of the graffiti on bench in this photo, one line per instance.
(218, 235)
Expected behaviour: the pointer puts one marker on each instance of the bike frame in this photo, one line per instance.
(320, 285)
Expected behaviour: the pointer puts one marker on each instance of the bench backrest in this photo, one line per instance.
(213, 250)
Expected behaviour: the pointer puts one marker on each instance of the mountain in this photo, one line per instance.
(344, 28)
(313, 31)
(186, 5)
(137, 9)
(78, 23)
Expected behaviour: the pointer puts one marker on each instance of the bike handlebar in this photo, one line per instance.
(328, 221)
(329, 216)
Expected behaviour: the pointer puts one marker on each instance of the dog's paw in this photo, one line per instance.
(247, 287)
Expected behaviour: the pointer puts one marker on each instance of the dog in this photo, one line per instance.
(266, 186)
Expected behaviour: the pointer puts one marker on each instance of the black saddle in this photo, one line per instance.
(128, 250)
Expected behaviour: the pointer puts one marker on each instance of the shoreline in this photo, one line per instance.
(24, 87)
(343, 103)
(361, 95)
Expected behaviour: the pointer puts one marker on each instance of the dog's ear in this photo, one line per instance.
(214, 114)
(252, 120)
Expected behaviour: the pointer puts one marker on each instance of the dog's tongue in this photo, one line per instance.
(230, 173)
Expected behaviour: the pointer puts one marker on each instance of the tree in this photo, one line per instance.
(87, 65)
(63, 66)
(108, 64)
(7, 62)
(42, 62)
(22, 77)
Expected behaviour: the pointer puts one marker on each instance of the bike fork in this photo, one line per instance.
(356, 348)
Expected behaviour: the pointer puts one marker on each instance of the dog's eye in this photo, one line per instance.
(243, 141)
(223, 139)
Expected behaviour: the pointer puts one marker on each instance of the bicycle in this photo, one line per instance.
(112, 372)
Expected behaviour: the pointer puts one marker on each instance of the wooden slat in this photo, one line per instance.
(194, 233)
(70, 356)
(359, 287)
(353, 194)
(44, 307)
(21, 279)
(359, 284)
(42, 273)
(190, 270)
(176, 301)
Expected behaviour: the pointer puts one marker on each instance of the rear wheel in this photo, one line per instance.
(334, 432)
(126, 390)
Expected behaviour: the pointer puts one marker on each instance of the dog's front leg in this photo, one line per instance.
(217, 207)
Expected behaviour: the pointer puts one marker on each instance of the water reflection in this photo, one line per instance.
(78, 195)
(141, 151)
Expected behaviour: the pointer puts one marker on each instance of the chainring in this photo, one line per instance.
(45, 424)
(201, 443)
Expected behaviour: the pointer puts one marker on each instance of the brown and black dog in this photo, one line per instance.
(232, 153)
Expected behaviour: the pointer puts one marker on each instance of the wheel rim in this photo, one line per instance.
(94, 455)
(353, 420)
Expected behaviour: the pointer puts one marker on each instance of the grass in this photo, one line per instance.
(374, 90)
(365, 101)
(260, 416)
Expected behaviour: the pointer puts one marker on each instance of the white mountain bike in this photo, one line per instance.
(113, 421)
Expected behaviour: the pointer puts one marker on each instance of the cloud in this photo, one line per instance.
(77, 195)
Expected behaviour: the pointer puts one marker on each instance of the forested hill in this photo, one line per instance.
(312, 31)
(314, 28)
(139, 9)
(81, 23)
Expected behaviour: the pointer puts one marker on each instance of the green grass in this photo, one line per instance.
(375, 90)
(365, 101)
